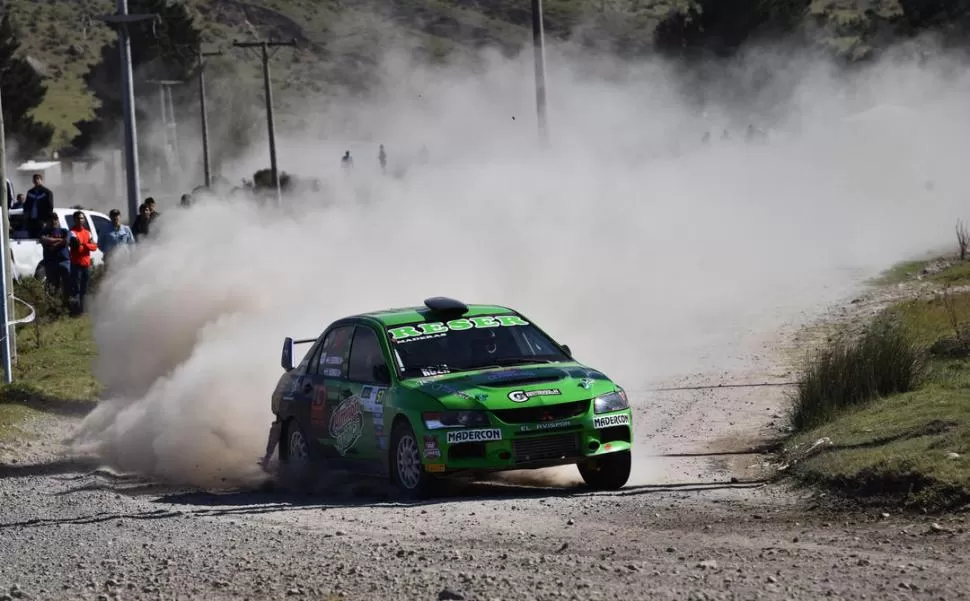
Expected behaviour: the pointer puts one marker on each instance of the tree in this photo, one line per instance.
(23, 90)
(718, 28)
(161, 51)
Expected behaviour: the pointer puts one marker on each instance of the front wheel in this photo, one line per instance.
(407, 471)
(606, 472)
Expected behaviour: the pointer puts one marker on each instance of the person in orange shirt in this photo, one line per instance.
(81, 248)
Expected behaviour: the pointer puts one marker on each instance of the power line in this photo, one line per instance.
(716, 386)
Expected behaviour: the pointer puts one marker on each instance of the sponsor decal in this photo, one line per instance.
(431, 450)
(331, 372)
(423, 331)
(334, 360)
(487, 435)
(435, 467)
(543, 426)
(521, 396)
(434, 371)
(586, 383)
(608, 421)
(380, 396)
(346, 425)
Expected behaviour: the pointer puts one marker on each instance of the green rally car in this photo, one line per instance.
(421, 393)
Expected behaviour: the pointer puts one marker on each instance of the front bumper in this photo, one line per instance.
(526, 445)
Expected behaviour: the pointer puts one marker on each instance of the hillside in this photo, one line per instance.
(340, 38)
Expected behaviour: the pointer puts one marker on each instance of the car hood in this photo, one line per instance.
(514, 387)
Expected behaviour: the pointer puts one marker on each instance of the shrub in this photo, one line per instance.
(846, 374)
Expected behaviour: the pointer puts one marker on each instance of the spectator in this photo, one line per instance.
(57, 256)
(382, 157)
(347, 161)
(19, 203)
(38, 207)
(119, 236)
(142, 223)
(186, 201)
(81, 248)
(153, 213)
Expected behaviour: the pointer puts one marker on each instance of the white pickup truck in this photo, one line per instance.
(28, 254)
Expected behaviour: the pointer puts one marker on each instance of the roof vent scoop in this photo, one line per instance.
(442, 304)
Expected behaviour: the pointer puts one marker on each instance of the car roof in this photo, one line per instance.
(405, 315)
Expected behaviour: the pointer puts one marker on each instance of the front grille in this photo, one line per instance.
(546, 413)
(542, 448)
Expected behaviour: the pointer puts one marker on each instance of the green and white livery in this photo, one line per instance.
(447, 389)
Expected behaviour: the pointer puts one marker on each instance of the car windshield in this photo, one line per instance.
(437, 347)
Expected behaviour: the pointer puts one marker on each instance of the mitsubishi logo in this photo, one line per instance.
(546, 417)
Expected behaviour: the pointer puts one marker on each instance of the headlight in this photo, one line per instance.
(614, 401)
(455, 419)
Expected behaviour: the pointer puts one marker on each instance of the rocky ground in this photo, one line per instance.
(702, 524)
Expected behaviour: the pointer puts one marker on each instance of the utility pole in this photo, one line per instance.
(538, 48)
(120, 21)
(9, 349)
(271, 126)
(206, 165)
(170, 127)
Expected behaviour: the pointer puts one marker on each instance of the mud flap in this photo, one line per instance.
(271, 442)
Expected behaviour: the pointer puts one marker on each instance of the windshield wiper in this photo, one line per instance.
(509, 361)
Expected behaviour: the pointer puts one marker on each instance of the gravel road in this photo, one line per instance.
(681, 530)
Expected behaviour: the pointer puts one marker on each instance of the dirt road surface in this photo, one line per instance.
(681, 530)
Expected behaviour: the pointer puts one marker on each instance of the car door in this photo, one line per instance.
(335, 434)
(367, 383)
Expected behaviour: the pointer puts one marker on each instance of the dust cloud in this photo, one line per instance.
(652, 253)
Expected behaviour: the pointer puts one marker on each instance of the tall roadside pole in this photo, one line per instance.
(9, 348)
(268, 89)
(538, 48)
(206, 164)
(120, 21)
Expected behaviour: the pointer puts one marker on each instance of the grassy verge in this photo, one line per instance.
(53, 371)
(889, 413)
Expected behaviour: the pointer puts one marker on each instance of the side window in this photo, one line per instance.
(331, 362)
(68, 221)
(102, 225)
(365, 354)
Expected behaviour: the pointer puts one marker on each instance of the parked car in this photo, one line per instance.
(28, 254)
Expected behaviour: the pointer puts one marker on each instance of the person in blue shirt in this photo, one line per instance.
(57, 256)
(119, 237)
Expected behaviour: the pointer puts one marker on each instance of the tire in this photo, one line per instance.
(297, 464)
(407, 474)
(606, 472)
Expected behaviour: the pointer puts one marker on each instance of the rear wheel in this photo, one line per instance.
(606, 472)
(296, 463)
(407, 471)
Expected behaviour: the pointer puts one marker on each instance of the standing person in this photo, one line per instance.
(119, 237)
(347, 161)
(382, 157)
(81, 248)
(57, 256)
(38, 207)
(150, 203)
(141, 226)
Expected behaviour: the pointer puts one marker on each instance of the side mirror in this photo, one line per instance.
(382, 375)
(567, 350)
(286, 360)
